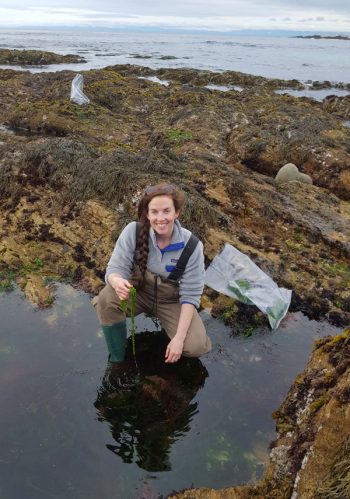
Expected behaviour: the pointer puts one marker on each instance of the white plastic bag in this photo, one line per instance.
(77, 94)
(234, 274)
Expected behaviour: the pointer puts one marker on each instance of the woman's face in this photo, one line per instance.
(162, 215)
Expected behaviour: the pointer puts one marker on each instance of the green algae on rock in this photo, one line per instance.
(134, 129)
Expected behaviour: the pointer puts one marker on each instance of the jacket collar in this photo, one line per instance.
(176, 239)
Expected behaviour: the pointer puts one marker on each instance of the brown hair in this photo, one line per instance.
(162, 189)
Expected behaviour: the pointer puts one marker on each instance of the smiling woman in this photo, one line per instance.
(162, 215)
(165, 262)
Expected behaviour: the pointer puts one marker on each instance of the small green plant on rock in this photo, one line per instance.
(9, 276)
(317, 404)
(294, 246)
(7, 279)
(299, 237)
(178, 137)
(35, 266)
(248, 331)
(337, 269)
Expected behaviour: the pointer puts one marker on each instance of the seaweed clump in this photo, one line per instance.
(337, 482)
(36, 58)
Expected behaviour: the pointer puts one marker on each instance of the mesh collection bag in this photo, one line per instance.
(77, 95)
(234, 274)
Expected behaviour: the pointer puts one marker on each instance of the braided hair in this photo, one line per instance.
(161, 189)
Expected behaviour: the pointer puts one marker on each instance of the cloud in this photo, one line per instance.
(190, 8)
(221, 15)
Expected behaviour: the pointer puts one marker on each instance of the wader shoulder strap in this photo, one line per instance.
(176, 274)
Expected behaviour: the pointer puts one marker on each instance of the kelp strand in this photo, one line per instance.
(123, 307)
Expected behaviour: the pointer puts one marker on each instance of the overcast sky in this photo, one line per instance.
(218, 15)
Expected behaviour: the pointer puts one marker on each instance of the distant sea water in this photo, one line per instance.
(274, 57)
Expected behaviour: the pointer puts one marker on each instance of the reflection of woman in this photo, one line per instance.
(148, 415)
(160, 242)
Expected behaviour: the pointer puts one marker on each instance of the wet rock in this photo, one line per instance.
(310, 458)
(297, 233)
(36, 58)
(339, 106)
(302, 140)
(323, 37)
(37, 292)
(198, 77)
(290, 173)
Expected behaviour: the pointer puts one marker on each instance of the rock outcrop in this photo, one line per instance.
(13, 57)
(310, 458)
(62, 164)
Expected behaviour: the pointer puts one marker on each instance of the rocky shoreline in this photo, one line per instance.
(13, 57)
(324, 37)
(310, 458)
(70, 178)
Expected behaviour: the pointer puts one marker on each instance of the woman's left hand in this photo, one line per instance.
(174, 350)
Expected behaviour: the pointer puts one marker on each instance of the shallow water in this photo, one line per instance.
(224, 88)
(66, 433)
(273, 57)
(5, 129)
(155, 79)
(318, 94)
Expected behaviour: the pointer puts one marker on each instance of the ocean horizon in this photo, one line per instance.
(283, 57)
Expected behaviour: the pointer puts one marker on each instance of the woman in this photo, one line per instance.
(150, 252)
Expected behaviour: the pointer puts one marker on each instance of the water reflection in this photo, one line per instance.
(52, 372)
(149, 407)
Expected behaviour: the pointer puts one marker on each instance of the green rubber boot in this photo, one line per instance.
(115, 337)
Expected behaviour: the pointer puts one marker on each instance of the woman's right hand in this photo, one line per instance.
(120, 285)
